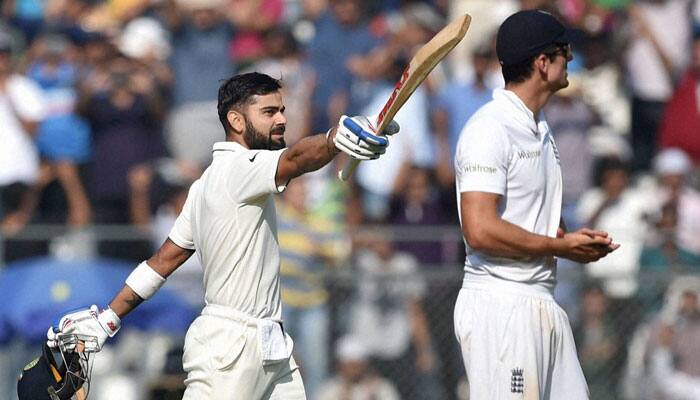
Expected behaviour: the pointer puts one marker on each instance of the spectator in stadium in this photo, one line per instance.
(388, 315)
(356, 379)
(310, 243)
(341, 32)
(63, 138)
(646, 367)
(252, 19)
(600, 82)
(656, 54)
(146, 41)
(96, 53)
(682, 312)
(673, 169)
(125, 113)
(680, 124)
(21, 111)
(418, 205)
(617, 207)
(285, 60)
(671, 383)
(663, 256)
(200, 32)
(598, 344)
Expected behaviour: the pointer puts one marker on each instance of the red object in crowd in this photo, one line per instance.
(680, 124)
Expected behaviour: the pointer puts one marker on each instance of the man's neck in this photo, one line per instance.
(232, 137)
(533, 95)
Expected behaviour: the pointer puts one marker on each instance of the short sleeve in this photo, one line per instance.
(181, 233)
(27, 98)
(256, 175)
(482, 157)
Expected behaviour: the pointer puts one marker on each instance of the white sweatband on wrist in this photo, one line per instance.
(144, 281)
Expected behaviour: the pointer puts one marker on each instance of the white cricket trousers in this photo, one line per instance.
(516, 343)
(223, 361)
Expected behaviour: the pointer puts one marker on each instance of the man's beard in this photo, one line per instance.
(258, 141)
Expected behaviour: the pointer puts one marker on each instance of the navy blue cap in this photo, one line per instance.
(526, 34)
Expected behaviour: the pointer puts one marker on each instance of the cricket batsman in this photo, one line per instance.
(237, 348)
(516, 341)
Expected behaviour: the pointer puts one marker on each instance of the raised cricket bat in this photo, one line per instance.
(417, 70)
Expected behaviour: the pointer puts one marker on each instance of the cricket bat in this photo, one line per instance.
(417, 70)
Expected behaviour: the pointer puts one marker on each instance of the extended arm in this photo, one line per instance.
(309, 154)
(354, 136)
(143, 282)
(164, 262)
(486, 231)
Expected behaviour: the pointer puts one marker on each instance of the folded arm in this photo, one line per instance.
(486, 231)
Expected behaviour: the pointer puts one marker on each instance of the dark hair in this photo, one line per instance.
(520, 72)
(607, 164)
(592, 285)
(239, 90)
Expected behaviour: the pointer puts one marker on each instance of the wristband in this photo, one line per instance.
(144, 281)
(331, 145)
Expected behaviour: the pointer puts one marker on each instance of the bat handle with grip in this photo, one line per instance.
(345, 173)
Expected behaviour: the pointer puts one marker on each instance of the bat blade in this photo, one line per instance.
(415, 73)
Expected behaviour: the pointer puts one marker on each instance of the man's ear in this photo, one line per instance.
(542, 64)
(236, 120)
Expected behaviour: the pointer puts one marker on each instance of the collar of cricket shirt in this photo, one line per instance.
(524, 115)
(228, 146)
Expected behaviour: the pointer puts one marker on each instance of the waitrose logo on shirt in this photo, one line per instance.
(523, 154)
(473, 167)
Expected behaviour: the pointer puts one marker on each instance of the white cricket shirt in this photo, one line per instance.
(503, 150)
(19, 160)
(229, 218)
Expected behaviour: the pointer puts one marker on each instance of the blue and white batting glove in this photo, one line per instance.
(356, 137)
(88, 322)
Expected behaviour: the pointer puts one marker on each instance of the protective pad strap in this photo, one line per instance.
(144, 281)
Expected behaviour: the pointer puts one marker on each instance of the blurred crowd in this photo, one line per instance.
(108, 114)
